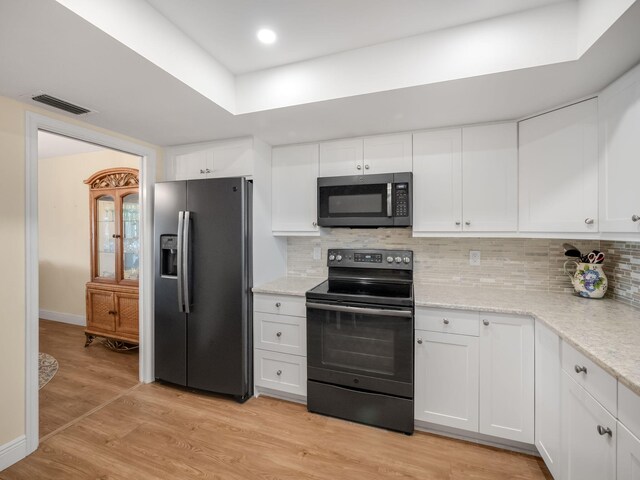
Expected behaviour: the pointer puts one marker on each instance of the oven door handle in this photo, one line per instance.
(364, 311)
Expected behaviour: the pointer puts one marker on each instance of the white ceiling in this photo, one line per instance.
(51, 145)
(312, 28)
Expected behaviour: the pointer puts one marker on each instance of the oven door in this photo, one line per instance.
(364, 347)
(355, 201)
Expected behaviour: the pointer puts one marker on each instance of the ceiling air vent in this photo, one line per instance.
(61, 104)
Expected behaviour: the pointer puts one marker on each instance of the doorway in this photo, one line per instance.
(34, 124)
(78, 245)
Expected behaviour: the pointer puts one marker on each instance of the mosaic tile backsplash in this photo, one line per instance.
(511, 263)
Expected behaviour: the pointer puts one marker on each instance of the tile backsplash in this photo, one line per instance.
(512, 263)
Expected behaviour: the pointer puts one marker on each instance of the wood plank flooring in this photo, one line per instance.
(86, 378)
(159, 432)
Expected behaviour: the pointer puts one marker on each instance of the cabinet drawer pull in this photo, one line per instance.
(467, 223)
(279, 334)
(201, 171)
(115, 236)
(279, 372)
(420, 341)
(579, 369)
(112, 312)
(359, 167)
(589, 221)
(485, 322)
(445, 321)
(604, 431)
(366, 167)
(635, 218)
(458, 223)
(278, 304)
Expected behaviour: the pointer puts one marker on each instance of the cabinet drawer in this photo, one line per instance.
(280, 304)
(629, 409)
(280, 371)
(448, 321)
(280, 333)
(594, 380)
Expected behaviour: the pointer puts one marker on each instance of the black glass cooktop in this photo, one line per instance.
(363, 292)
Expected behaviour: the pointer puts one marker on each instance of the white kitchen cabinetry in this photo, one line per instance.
(507, 377)
(466, 180)
(388, 154)
(547, 397)
(559, 170)
(279, 333)
(294, 190)
(628, 462)
(342, 157)
(619, 124)
(490, 178)
(228, 158)
(446, 379)
(588, 435)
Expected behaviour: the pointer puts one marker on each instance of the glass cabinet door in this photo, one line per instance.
(130, 236)
(106, 242)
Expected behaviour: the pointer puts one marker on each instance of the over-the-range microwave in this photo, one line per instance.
(382, 200)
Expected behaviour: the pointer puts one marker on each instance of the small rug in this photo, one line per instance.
(47, 368)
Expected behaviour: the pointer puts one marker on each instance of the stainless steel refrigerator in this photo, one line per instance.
(203, 310)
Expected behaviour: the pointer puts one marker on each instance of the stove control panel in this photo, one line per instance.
(366, 258)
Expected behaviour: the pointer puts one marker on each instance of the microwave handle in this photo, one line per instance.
(389, 203)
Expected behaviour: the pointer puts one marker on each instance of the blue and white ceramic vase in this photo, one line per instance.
(588, 280)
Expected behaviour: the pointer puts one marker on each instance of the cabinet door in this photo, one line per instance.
(295, 185)
(388, 154)
(446, 379)
(559, 170)
(100, 311)
(192, 165)
(507, 377)
(586, 454)
(490, 178)
(232, 159)
(619, 147)
(342, 157)
(127, 313)
(437, 179)
(547, 397)
(628, 455)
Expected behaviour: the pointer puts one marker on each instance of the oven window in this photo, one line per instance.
(353, 201)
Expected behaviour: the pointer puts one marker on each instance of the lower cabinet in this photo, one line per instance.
(628, 454)
(588, 435)
(481, 384)
(280, 343)
(112, 312)
(446, 379)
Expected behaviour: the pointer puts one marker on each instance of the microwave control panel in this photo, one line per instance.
(401, 204)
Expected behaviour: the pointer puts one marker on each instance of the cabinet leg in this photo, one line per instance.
(89, 339)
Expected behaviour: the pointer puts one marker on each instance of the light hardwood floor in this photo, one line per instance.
(86, 378)
(159, 432)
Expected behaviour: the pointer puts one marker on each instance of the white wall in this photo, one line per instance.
(64, 230)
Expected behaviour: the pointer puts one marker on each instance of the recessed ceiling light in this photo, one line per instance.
(266, 35)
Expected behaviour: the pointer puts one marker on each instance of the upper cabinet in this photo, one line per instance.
(362, 156)
(559, 170)
(466, 179)
(228, 158)
(294, 190)
(619, 127)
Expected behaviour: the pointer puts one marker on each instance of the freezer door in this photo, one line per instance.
(218, 336)
(170, 319)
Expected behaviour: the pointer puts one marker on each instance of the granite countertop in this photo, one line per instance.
(606, 331)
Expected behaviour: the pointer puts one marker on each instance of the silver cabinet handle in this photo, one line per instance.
(485, 322)
(278, 304)
(445, 321)
(279, 372)
(604, 430)
(458, 223)
(279, 334)
(359, 167)
(366, 167)
(202, 172)
(467, 223)
(207, 171)
(589, 221)
(579, 369)
(420, 341)
(635, 218)
(315, 224)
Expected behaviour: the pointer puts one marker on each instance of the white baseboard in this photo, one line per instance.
(12, 452)
(64, 317)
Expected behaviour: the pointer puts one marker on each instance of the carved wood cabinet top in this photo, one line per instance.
(113, 178)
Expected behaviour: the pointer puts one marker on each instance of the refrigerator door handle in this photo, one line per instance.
(185, 259)
(180, 260)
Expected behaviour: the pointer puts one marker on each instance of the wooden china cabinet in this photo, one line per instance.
(112, 293)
